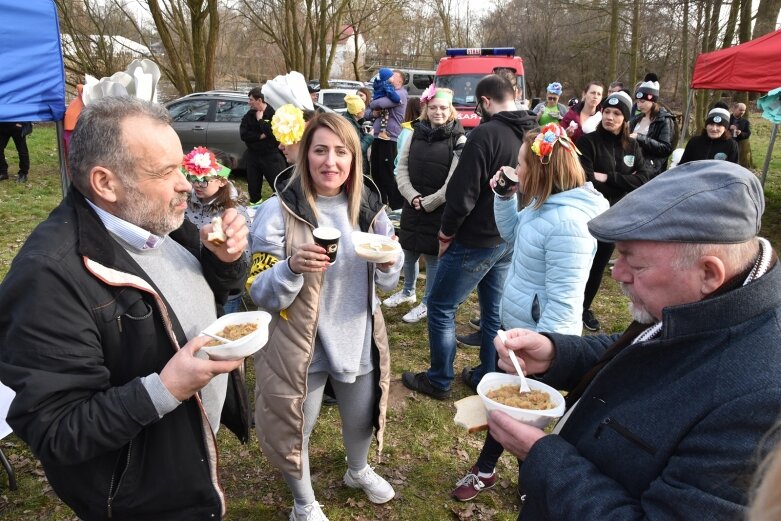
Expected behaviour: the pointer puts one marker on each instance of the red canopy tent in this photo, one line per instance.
(753, 66)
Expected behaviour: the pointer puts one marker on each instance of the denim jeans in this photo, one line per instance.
(460, 270)
(410, 271)
(233, 305)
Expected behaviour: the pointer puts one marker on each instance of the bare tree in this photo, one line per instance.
(767, 15)
(305, 31)
(91, 43)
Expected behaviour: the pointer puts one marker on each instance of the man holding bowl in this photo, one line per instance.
(664, 420)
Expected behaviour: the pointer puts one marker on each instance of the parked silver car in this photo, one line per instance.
(212, 119)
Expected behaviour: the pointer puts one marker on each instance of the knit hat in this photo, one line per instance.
(355, 104)
(555, 88)
(619, 100)
(719, 114)
(385, 74)
(702, 202)
(649, 88)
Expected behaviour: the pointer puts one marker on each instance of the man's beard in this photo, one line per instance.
(141, 211)
(639, 313)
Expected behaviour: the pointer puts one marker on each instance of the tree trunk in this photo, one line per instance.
(767, 14)
(634, 50)
(612, 53)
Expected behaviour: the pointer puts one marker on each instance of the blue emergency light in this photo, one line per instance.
(481, 51)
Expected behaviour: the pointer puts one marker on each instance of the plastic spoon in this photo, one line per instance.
(524, 385)
(215, 337)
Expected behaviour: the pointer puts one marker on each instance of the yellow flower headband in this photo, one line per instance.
(288, 124)
(549, 135)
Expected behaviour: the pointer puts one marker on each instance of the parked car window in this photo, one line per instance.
(189, 111)
(422, 81)
(230, 111)
(334, 100)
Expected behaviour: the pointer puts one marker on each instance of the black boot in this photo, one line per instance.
(22, 178)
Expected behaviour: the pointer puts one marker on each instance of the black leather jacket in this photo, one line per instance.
(657, 144)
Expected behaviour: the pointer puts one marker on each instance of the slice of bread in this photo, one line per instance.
(217, 235)
(470, 414)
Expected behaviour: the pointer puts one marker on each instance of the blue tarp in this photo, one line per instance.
(32, 77)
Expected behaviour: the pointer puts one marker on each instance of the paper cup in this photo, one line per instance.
(328, 238)
(507, 180)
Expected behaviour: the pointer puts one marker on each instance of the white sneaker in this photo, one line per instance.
(399, 298)
(377, 489)
(416, 314)
(311, 512)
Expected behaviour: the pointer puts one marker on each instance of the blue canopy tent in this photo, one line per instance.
(32, 88)
(32, 76)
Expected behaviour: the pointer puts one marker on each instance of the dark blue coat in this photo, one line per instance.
(669, 429)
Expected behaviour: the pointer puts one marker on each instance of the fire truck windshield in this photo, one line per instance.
(463, 87)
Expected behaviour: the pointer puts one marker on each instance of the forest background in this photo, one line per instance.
(206, 44)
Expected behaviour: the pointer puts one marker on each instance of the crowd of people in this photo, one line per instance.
(102, 309)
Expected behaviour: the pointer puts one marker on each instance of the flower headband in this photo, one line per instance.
(432, 92)
(201, 163)
(288, 124)
(549, 135)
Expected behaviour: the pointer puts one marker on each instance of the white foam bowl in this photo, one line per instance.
(361, 241)
(244, 346)
(535, 418)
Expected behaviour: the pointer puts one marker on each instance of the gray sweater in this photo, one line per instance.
(342, 345)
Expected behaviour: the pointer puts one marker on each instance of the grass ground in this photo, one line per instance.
(425, 453)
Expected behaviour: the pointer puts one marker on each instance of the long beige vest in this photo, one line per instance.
(281, 366)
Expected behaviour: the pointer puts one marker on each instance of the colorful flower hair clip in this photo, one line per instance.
(288, 124)
(201, 163)
(549, 135)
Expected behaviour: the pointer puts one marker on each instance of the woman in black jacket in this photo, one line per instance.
(426, 161)
(614, 164)
(714, 142)
(653, 127)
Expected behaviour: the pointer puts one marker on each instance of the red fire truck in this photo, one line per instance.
(461, 69)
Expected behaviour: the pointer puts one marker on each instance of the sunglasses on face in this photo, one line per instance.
(552, 98)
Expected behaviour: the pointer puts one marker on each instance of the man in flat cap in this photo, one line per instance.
(664, 420)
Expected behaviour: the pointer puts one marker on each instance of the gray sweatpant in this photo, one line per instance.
(355, 401)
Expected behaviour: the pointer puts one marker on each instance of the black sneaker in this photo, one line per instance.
(590, 321)
(466, 377)
(21, 178)
(474, 323)
(470, 340)
(419, 382)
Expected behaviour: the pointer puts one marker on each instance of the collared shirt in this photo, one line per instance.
(141, 239)
(128, 232)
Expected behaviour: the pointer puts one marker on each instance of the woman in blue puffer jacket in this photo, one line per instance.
(552, 255)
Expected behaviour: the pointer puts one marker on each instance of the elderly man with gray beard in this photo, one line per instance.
(100, 317)
(664, 420)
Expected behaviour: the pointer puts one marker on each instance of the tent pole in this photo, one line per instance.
(769, 153)
(686, 114)
(64, 179)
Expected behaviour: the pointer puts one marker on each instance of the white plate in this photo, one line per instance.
(245, 345)
(535, 418)
(373, 254)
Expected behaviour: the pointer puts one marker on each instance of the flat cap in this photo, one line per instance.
(699, 202)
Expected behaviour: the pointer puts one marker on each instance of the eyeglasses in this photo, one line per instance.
(201, 182)
(552, 98)
(479, 108)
